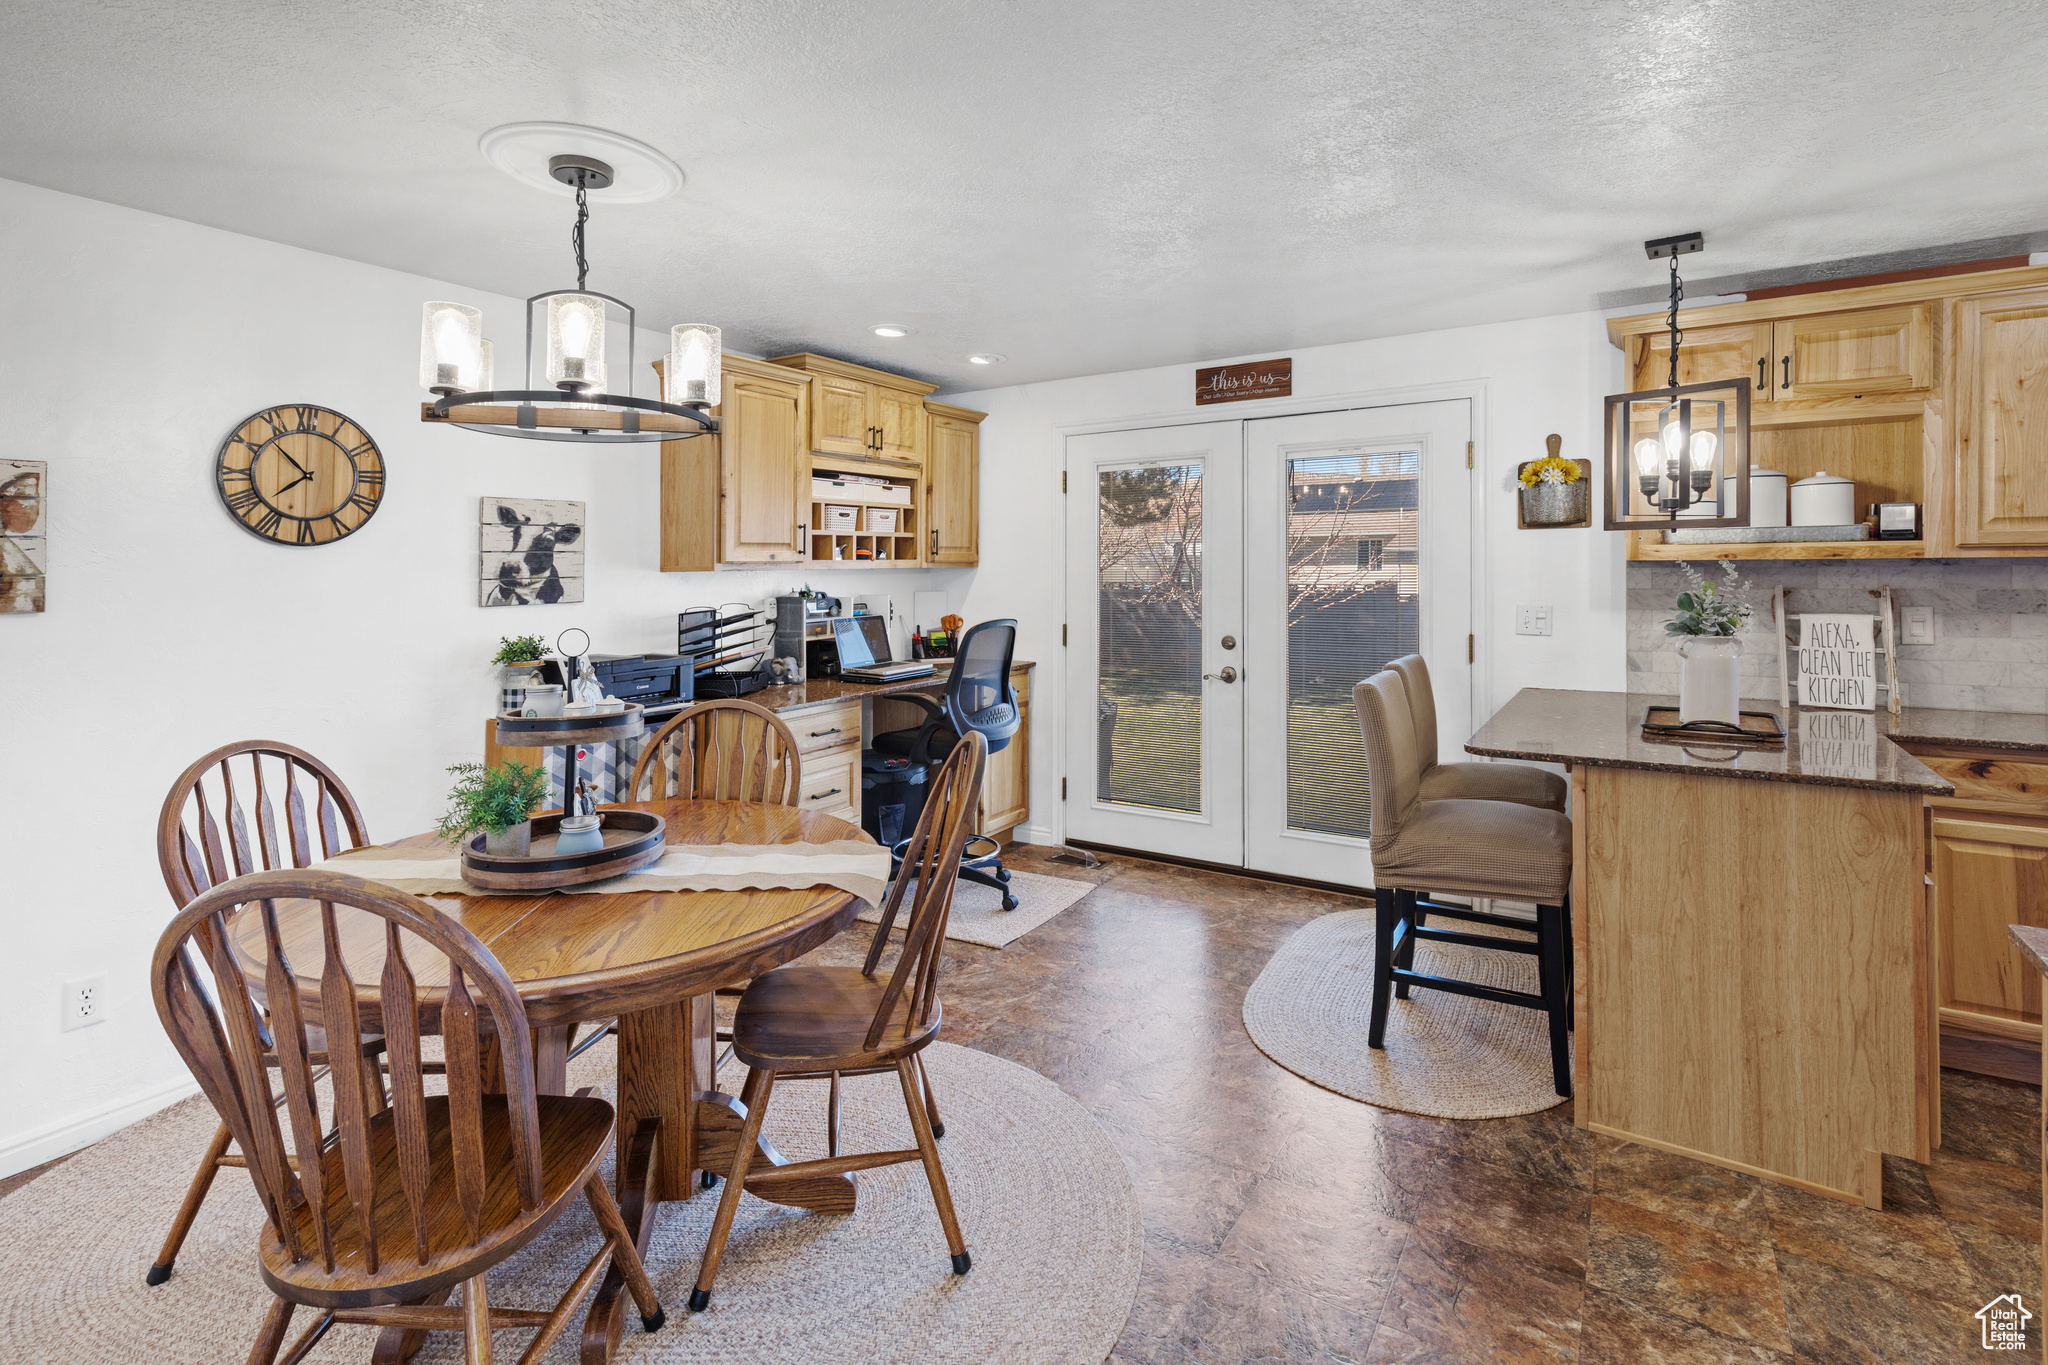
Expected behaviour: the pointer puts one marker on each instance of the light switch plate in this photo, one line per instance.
(1916, 626)
(1532, 620)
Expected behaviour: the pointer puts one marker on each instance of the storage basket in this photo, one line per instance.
(880, 520)
(841, 518)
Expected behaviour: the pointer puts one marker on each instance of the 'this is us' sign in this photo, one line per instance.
(1837, 664)
(1235, 383)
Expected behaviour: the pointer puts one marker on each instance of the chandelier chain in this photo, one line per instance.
(1677, 293)
(583, 265)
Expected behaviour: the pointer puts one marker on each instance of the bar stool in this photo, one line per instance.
(1461, 847)
(1521, 783)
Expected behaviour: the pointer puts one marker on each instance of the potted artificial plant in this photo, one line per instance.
(1710, 656)
(1555, 491)
(519, 658)
(499, 801)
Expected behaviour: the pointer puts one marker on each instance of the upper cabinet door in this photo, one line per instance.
(766, 471)
(2001, 417)
(1704, 354)
(953, 491)
(1848, 355)
(899, 426)
(843, 416)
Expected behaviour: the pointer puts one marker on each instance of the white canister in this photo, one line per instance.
(1824, 500)
(1767, 497)
(544, 701)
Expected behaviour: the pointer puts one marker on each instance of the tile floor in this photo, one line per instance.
(1287, 1223)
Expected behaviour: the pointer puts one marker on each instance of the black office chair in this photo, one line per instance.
(979, 697)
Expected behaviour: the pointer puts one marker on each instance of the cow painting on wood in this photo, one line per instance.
(525, 552)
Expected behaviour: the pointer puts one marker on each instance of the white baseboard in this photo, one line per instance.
(1036, 834)
(52, 1140)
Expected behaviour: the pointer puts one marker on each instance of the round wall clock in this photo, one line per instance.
(300, 475)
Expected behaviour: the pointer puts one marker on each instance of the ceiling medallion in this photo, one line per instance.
(457, 365)
(1679, 454)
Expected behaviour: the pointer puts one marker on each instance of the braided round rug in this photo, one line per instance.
(1044, 1199)
(1447, 1056)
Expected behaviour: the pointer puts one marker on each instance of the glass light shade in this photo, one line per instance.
(486, 368)
(576, 341)
(450, 337)
(1649, 454)
(691, 372)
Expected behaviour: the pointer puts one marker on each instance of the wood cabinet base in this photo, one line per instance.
(1755, 974)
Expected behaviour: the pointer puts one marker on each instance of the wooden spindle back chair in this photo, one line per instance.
(221, 821)
(426, 1193)
(801, 1021)
(720, 750)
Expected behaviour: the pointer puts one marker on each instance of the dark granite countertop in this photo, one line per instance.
(2033, 943)
(824, 691)
(1972, 729)
(1604, 729)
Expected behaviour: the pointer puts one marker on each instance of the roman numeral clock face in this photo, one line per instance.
(300, 475)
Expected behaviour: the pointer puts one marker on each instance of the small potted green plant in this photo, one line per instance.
(518, 661)
(1709, 619)
(499, 801)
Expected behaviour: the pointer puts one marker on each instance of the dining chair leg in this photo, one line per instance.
(625, 1253)
(735, 1184)
(1571, 971)
(195, 1195)
(476, 1322)
(1550, 960)
(1382, 965)
(931, 1103)
(271, 1336)
(832, 1118)
(1411, 915)
(934, 1174)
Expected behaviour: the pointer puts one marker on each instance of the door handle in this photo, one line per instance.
(1228, 675)
(1763, 366)
(1788, 372)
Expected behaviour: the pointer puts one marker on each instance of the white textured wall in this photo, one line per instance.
(133, 345)
(1539, 376)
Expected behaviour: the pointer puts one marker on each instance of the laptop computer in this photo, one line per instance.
(863, 643)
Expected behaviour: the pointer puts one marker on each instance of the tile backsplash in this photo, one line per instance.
(1990, 650)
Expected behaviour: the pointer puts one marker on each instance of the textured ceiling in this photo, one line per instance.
(1084, 187)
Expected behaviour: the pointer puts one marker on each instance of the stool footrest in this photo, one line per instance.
(1466, 912)
(1505, 945)
(1527, 999)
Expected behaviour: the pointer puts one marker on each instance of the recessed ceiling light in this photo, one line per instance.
(987, 358)
(892, 329)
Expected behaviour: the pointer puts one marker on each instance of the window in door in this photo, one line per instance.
(1149, 618)
(1353, 593)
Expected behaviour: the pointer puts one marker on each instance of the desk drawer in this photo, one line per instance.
(828, 727)
(831, 782)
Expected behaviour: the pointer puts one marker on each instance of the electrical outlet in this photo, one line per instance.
(1531, 620)
(1916, 626)
(85, 1002)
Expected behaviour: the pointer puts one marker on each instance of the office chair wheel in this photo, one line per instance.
(1009, 901)
(707, 1179)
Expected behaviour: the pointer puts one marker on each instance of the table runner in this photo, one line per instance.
(861, 869)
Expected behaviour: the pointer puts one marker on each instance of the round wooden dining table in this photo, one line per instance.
(651, 960)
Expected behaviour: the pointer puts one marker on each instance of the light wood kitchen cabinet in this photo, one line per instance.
(1848, 355)
(862, 413)
(1704, 354)
(1006, 781)
(953, 484)
(2001, 416)
(743, 496)
(1990, 870)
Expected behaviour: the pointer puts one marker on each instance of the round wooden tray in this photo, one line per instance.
(633, 839)
(546, 732)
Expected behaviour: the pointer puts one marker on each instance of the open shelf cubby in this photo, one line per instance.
(863, 522)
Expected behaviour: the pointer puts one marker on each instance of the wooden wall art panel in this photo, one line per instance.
(530, 552)
(23, 543)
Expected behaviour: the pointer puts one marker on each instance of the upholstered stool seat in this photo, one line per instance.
(1521, 783)
(1459, 847)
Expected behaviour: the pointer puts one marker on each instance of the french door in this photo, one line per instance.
(1228, 583)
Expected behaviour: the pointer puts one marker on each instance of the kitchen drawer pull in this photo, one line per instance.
(820, 796)
(820, 734)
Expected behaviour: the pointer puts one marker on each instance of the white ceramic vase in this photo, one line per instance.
(1709, 678)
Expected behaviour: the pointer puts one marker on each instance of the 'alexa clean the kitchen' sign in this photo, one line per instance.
(1837, 665)
(1235, 383)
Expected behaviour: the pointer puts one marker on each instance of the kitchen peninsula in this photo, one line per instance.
(1753, 933)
